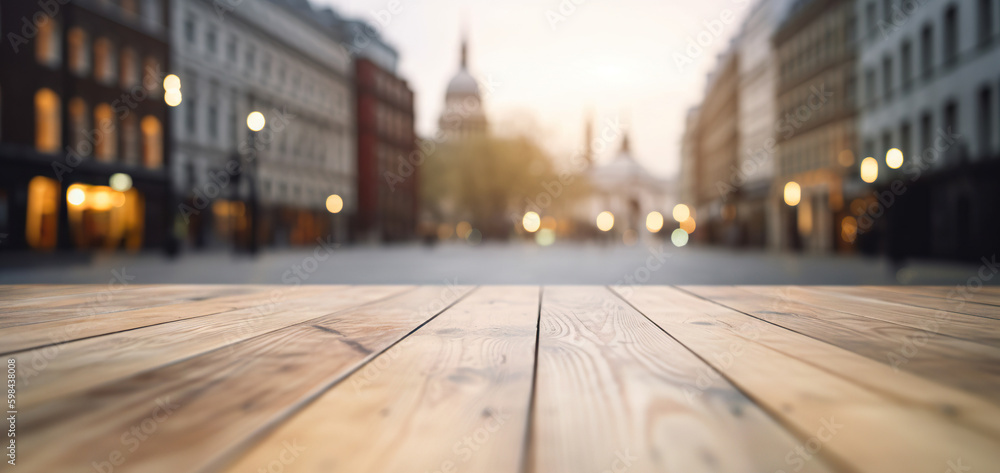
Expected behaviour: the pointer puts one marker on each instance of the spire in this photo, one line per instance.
(588, 137)
(465, 52)
(625, 145)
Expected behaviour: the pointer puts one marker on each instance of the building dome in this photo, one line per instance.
(462, 84)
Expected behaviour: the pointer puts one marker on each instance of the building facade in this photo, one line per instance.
(83, 125)
(931, 90)
(816, 133)
(278, 58)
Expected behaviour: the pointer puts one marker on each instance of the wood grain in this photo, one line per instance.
(219, 398)
(614, 392)
(916, 299)
(452, 396)
(959, 363)
(882, 429)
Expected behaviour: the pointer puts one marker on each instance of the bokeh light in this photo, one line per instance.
(894, 158)
(172, 97)
(545, 237)
(681, 212)
(463, 229)
(120, 182)
(334, 204)
(531, 222)
(793, 193)
(654, 222)
(679, 237)
(75, 196)
(171, 82)
(256, 121)
(869, 169)
(688, 225)
(605, 221)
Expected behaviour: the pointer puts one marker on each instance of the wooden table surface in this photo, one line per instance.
(211, 378)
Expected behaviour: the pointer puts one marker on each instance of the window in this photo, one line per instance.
(231, 49)
(985, 22)
(48, 121)
(79, 51)
(926, 134)
(42, 222)
(104, 61)
(129, 7)
(905, 135)
(985, 121)
(128, 68)
(887, 78)
(151, 13)
(130, 139)
(213, 121)
(951, 35)
(870, 19)
(189, 30)
(152, 142)
(152, 76)
(266, 66)
(927, 50)
(191, 116)
(870, 86)
(47, 43)
(210, 41)
(906, 65)
(106, 147)
(79, 123)
(951, 117)
(251, 58)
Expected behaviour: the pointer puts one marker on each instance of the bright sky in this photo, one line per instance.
(612, 59)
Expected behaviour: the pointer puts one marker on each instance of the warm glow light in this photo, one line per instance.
(76, 196)
(605, 221)
(172, 98)
(793, 193)
(120, 182)
(654, 221)
(545, 237)
(688, 225)
(894, 158)
(256, 121)
(463, 229)
(549, 222)
(531, 222)
(334, 204)
(118, 199)
(845, 158)
(869, 169)
(849, 229)
(171, 82)
(681, 212)
(444, 231)
(679, 237)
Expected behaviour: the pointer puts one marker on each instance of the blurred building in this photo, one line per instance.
(387, 159)
(756, 201)
(463, 114)
(277, 57)
(715, 155)
(82, 125)
(931, 86)
(687, 179)
(816, 132)
(630, 193)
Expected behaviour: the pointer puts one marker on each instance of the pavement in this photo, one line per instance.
(562, 263)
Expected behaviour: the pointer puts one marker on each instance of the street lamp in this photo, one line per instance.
(172, 90)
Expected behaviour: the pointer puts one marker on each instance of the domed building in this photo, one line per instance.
(625, 188)
(463, 106)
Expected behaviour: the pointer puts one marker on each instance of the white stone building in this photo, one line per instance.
(272, 57)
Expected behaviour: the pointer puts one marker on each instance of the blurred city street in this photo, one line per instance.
(565, 263)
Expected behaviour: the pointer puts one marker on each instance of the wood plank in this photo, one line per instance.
(452, 396)
(958, 363)
(24, 313)
(217, 399)
(974, 329)
(956, 305)
(984, 295)
(89, 323)
(612, 385)
(886, 429)
(69, 368)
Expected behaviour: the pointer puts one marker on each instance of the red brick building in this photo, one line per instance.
(388, 163)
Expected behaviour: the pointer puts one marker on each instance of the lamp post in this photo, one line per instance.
(255, 123)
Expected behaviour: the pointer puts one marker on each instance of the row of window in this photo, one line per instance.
(99, 133)
(818, 45)
(108, 65)
(308, 89)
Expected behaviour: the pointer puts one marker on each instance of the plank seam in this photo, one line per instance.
(527, 453)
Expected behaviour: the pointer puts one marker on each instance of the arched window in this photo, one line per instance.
(79, 51)
(40, 229)
(48, 126)
(128, 68)
(104, 61)
(79, 122)
(47, 43)
(106, 147)
(152, 142)
(130, 139)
